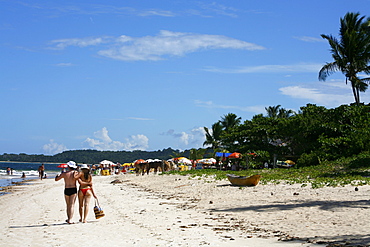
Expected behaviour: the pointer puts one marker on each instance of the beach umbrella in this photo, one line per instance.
(107, 162)
(235, 155)
(179, 158)
(62, 166)
(127, 164)
(139, 161)
(184, 160)
(207, 161)
(290, 162)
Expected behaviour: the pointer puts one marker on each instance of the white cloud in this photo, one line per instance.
(193, 138)
(309, 39)
(53, 148)
(220, 9)
(209, 104)
(331, 94)
(158, 47)
(102, 142)
(60, 44)
(156, 12)
(291, 68)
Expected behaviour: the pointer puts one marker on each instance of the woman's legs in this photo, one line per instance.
(86, 204)
(80, 203)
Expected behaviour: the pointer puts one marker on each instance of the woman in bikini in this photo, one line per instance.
(85, 192)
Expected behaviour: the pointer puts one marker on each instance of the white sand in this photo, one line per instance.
(169, 210)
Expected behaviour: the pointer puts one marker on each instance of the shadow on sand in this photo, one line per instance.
(47, 225)
(354, 240)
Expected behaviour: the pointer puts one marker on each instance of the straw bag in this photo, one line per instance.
(98, 210)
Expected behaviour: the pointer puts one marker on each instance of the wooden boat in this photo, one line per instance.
(243, 180)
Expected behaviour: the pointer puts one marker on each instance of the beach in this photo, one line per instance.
(175, 210)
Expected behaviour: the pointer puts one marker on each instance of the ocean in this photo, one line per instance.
(29, 169)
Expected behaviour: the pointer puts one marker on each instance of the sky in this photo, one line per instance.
(151, 74)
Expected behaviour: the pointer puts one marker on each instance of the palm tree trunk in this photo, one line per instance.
(356, 93)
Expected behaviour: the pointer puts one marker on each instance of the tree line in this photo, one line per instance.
(94, 156)
(312, 135)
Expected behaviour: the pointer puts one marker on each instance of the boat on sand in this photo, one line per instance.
(243, 180)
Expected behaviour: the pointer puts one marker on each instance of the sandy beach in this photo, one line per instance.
(173, 210)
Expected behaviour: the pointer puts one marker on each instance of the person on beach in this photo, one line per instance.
(41, 171)
(85, 192)
(70, 192)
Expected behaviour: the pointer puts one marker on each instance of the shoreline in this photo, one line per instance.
(175, 210)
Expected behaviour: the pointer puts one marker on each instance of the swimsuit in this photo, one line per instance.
(85, 190)
(70, 191)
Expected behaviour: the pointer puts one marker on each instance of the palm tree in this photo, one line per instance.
(284, 113)
(351, 53)
(277, 112)
(213, 137)
(230, 121)
(272, 111)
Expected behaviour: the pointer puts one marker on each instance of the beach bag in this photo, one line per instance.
(98, 210)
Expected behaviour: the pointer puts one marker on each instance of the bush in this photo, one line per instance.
(310, 159)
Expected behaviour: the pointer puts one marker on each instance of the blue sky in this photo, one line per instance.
(150, 74)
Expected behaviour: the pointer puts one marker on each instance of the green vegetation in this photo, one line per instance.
(345, 171)
(94, 156)
(310, 137)
(351, 52)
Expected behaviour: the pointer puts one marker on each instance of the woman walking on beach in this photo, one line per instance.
(85, 192)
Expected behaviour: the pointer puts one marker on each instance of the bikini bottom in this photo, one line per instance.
(84, 191)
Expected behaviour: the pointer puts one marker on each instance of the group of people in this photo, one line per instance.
(84, 193)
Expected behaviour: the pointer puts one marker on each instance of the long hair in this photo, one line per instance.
(86, 173)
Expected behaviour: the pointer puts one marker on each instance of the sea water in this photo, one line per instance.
(29, 169)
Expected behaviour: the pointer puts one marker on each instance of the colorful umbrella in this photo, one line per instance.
(184, 160)
(127, 164)
(235, 155)
(62, 166)
(290, 162)
(207, 161)
(139, 161)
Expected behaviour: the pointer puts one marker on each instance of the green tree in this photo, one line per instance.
(196, 154)
(256, 134)
(278, 112)
(351, 52)
(230, 121)
(213, 136)
(273, 111)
